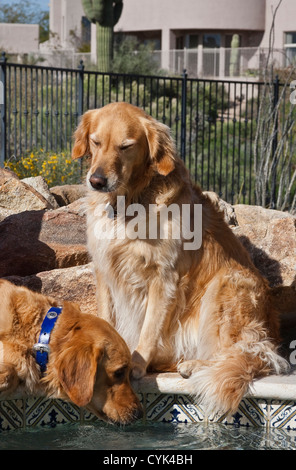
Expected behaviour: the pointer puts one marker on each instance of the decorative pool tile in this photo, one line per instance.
(157, 406)
(172, 408)
(11, 414)
(49, 412)
(275, 415)
(283, 414)
(251, 412)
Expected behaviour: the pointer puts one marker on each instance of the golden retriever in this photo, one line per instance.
(88, 362)
(204, 310)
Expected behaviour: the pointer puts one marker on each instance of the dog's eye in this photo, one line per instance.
(96, 143)
(120, 373)
(126, 144)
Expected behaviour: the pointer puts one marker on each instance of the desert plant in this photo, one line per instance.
(275, 140)
(132, 57)
(105, 14)
(234, 56)
(56, 168)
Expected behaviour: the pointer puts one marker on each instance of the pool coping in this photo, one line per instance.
(279, 387)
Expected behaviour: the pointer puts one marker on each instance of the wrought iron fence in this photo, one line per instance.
(213, 122)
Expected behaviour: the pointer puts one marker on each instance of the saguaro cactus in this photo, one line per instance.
(234, 56)
(105, 14)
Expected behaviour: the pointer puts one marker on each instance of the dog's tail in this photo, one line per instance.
(220, 387)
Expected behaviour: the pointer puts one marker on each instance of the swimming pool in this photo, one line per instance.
(173, 419)
(152, 436)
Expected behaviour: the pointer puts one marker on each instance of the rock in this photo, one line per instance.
(40, 185)
(17, 196)
(75, 284)
(6, 174)
(223, 206)
(68, 193)
(5, 213)
(270, 238)
(35, 241)
(255, 215)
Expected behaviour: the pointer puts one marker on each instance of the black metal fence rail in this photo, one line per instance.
(213, 121)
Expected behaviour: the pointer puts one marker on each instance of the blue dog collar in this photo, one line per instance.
(42, 347)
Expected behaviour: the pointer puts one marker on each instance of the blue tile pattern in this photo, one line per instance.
(43, 412)
(283, 414)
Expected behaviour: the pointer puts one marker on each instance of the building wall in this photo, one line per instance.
(285, 21)
(172, 16)
(192, 14)
(166, 18)
(19, 38)
(65, 16)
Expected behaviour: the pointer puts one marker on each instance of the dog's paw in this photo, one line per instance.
(187, 368)
(138, 366)
(138, 372)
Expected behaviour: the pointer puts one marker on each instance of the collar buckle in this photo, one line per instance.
(41, 348)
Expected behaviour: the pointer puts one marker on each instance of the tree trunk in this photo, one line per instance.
(104, 47)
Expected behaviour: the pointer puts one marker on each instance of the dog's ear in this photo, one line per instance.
(77, 368)
(81, 141)
(161, 146)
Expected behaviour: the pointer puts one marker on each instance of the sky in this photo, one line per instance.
(44, 4)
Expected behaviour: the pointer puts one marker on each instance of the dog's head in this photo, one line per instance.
(124, 144)
(90, 363)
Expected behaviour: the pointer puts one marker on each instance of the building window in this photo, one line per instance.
(192, 41)
(211, 41)
(290, 46)
(85, 30)
(180, 42)
(291, 38)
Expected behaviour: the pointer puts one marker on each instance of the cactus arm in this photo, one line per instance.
(117, 11)
(105, 14)
(94, 10)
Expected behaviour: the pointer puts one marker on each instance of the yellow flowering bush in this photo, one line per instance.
(56, 168)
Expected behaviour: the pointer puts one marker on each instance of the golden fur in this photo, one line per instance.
(89, 363)
(207, 312)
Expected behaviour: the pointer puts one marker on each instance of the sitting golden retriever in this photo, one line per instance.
(87, 362)
(201, 309)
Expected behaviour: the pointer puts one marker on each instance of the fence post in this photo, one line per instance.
(183, 115)
(276, 88)
(3, 60)
(80, 98)
(80, 88)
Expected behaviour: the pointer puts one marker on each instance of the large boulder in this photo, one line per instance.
(16, 196)
(40, 240)
(39, 184)
(270, 238)
(75, 284)
(68, 193)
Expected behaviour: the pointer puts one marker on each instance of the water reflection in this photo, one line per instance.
(155, 436)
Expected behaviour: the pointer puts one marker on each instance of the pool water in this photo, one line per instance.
(154, 436)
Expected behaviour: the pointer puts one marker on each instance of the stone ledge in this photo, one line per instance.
(272, 387)
(277, 387)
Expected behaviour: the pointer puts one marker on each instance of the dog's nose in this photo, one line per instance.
(98, 181)
(139, 413)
